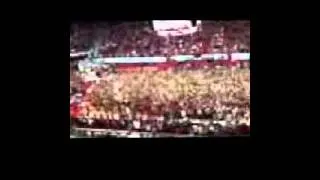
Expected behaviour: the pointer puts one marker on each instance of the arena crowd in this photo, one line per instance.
(200, 97)
(138, 39)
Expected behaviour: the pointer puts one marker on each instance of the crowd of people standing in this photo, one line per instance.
(191, 97)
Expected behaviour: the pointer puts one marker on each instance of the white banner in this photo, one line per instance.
(240, 56)
(159, 59)
(76, 54)
(173, 27)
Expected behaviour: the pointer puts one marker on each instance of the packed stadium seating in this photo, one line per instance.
(138, 39)
(194, 96)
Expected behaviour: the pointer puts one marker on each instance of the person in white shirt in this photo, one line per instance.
(183, 113)
(195, 128)
(116, 116)
(136, 124)
(90, 121)
(222, 123)
(160, 118)
(148, 127)
(245, 121)
(211, 128)
(199, 112)
(228, 117)
(234, 112)
(88, 133)
(219, 113)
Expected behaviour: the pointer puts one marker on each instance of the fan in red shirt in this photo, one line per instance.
(74, 111)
